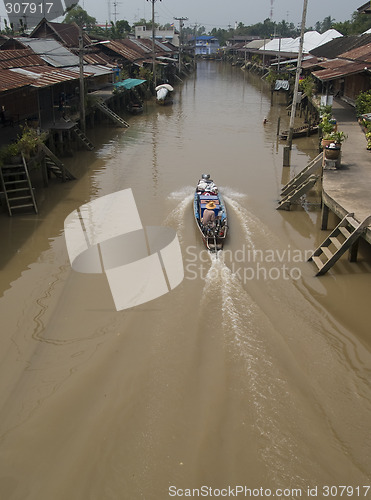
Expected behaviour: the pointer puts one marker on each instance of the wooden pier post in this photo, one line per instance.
(44, 172)
(286, 156)
(278, 125)
(324, 216)
(353, 251)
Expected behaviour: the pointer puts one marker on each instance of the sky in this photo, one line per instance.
(215, 13)
(219, 13)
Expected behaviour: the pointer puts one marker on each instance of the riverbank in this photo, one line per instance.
(347, 189)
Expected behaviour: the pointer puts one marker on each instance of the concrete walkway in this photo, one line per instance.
(348, 189)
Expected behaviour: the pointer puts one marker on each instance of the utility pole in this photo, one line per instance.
(181, 24)
(279, 54)
(82, 85)
(115, 4)
(195, 37)
(153, 42)
(298, 71)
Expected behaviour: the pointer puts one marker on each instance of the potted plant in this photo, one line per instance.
(328, 126)
(332, 150)
(368, 137)
(339, 137)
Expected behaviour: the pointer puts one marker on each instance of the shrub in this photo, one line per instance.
(363, 103)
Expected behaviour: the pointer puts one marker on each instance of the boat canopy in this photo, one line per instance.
(129, 83)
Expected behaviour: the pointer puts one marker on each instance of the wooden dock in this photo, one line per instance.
(348, 189)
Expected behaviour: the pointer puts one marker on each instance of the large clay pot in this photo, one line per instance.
(332, 153)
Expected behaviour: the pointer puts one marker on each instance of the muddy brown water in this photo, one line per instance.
(252, 372)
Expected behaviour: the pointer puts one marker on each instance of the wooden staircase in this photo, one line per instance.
(297, 192)
(55, 166)
(111, 114)
(343, 237)
(296, 181)
(17, 187)
(80, 134)
(300, 184)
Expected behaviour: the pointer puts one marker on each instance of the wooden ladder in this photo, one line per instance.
(17, 187)
(297, 191)
(111, 114)
(80, 134)
(55, 166)
(295, 182)
(342, 238)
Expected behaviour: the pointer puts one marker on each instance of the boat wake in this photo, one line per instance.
(251, 225)
(175, 219)
(274, 388)
(246, 329)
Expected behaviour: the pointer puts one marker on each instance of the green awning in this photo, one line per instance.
(129, 83)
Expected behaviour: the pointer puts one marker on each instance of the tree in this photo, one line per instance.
(8, 29)
(79, 16)
(327, 24)
(286, 30)
(344, 28)
(120, 29)
(190, 32)
(357, 25)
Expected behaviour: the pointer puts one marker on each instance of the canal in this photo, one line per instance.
(251, 372)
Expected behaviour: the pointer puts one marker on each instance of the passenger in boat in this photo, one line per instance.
(208, 218)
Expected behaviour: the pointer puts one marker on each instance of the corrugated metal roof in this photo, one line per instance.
(50, 51)
(123, 51)
(139, 45)
(91, 70)
(3, 39)
(68, 33)
(307, 62)
(162, 46)
(334, 63)
(338, 46)
(237, 46)
(10, 81)
(311, 62)
(98, 58)
(340, 70)
(44, 76)
(255, 44)
(145, 44)
(19, 59)
(361, 54)
(135, 50)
